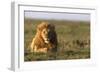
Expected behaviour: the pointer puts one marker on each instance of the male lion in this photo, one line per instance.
(45, 39)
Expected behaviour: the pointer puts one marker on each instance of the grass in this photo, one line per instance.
(73, 40)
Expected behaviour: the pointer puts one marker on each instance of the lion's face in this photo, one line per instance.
(45, 30)
(45, 35)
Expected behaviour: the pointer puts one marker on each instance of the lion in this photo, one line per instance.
(45, 39)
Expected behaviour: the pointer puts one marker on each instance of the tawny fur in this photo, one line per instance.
(42, 44)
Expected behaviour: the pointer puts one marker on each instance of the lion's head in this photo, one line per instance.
(46, 31)
(45, 37)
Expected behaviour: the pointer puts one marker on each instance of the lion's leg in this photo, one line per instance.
(40, 50)
(32, 46)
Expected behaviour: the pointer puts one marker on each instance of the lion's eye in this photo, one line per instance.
(44, 32)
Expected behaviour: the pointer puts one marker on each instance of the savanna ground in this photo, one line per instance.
(73, 40)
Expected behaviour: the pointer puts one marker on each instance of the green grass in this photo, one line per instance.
(73, 40)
